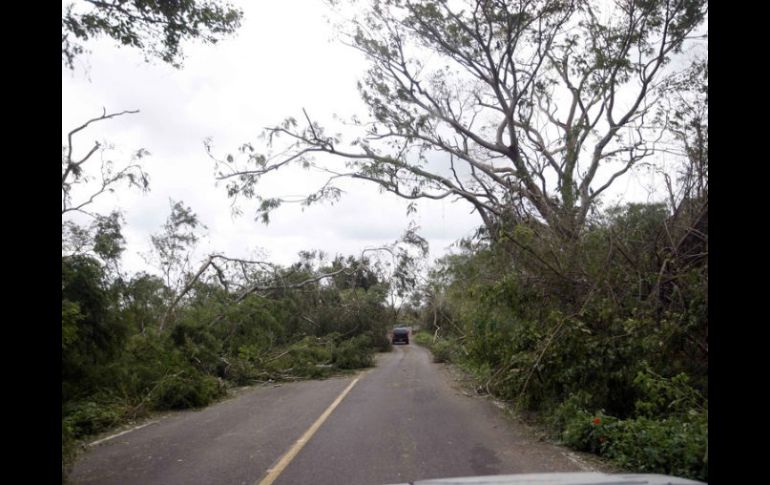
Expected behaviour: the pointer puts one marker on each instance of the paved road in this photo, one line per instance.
(403, 420)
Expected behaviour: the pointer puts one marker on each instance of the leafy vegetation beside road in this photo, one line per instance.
(613, 356)
(118, 364)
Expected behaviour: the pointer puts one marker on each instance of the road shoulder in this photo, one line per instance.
(463, 382)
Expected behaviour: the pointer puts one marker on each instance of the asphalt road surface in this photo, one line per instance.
(404, 420)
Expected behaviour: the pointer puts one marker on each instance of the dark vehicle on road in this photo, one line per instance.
(400, 335)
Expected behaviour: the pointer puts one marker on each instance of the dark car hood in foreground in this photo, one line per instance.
(581, 478)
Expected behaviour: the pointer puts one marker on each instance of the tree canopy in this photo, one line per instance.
(157, 27)
(531, 108)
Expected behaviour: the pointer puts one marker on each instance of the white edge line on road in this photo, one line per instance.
(121, 433)
(275, 471)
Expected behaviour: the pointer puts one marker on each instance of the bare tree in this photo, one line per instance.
(73, 171)
(82, 183)
(531, 108)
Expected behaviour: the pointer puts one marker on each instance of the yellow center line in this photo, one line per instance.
(274, 472)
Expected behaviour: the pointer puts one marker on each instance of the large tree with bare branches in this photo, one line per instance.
(74, 173)
(531, 108)
(82, 183)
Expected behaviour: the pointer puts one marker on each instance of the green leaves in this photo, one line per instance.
(580, 332)
(156, 28)
(676, 445)
(70, 316)
(660, 396)
(108, 239)
(266, 206)
(174, 244)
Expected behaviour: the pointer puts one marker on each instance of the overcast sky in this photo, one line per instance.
(283, 59)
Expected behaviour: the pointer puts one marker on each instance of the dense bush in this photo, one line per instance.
(423, 338)
(354, 353)
(186, 390)
(441, 349)
(379, 341)
(310, 357)
(675, 445)
(124, 355)
(92, 333)
(89, 417)
(613, 324)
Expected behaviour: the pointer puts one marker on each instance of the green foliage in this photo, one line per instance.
(572, 407)
(91, 333)
(443, 350)
(659, 396)
(157, 28)
(108, 239)
(120, 363)
(242, 371)
(175, 243)
(379, 341)
(574, 423)
(354, 353)
(70, 316)
(146, 361)
(83, 418)
(68, 449)
(675, 445)
(612, 327)
(196, 342)
(423, 338)
(143, 302)
(256, 323)
(186, 389)
(308, 358)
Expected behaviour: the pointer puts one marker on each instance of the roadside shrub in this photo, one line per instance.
(68, 449)
(380, 342)
(186, 389)
(354, 353)
(241, 372)
(89, 417)
(122, 358)
(423, 338)
(312, 350)
(198, 345)
(677, 445)
(573, 422)
(442, 351)
(660, 396)
(310, 357)
(144, 363)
